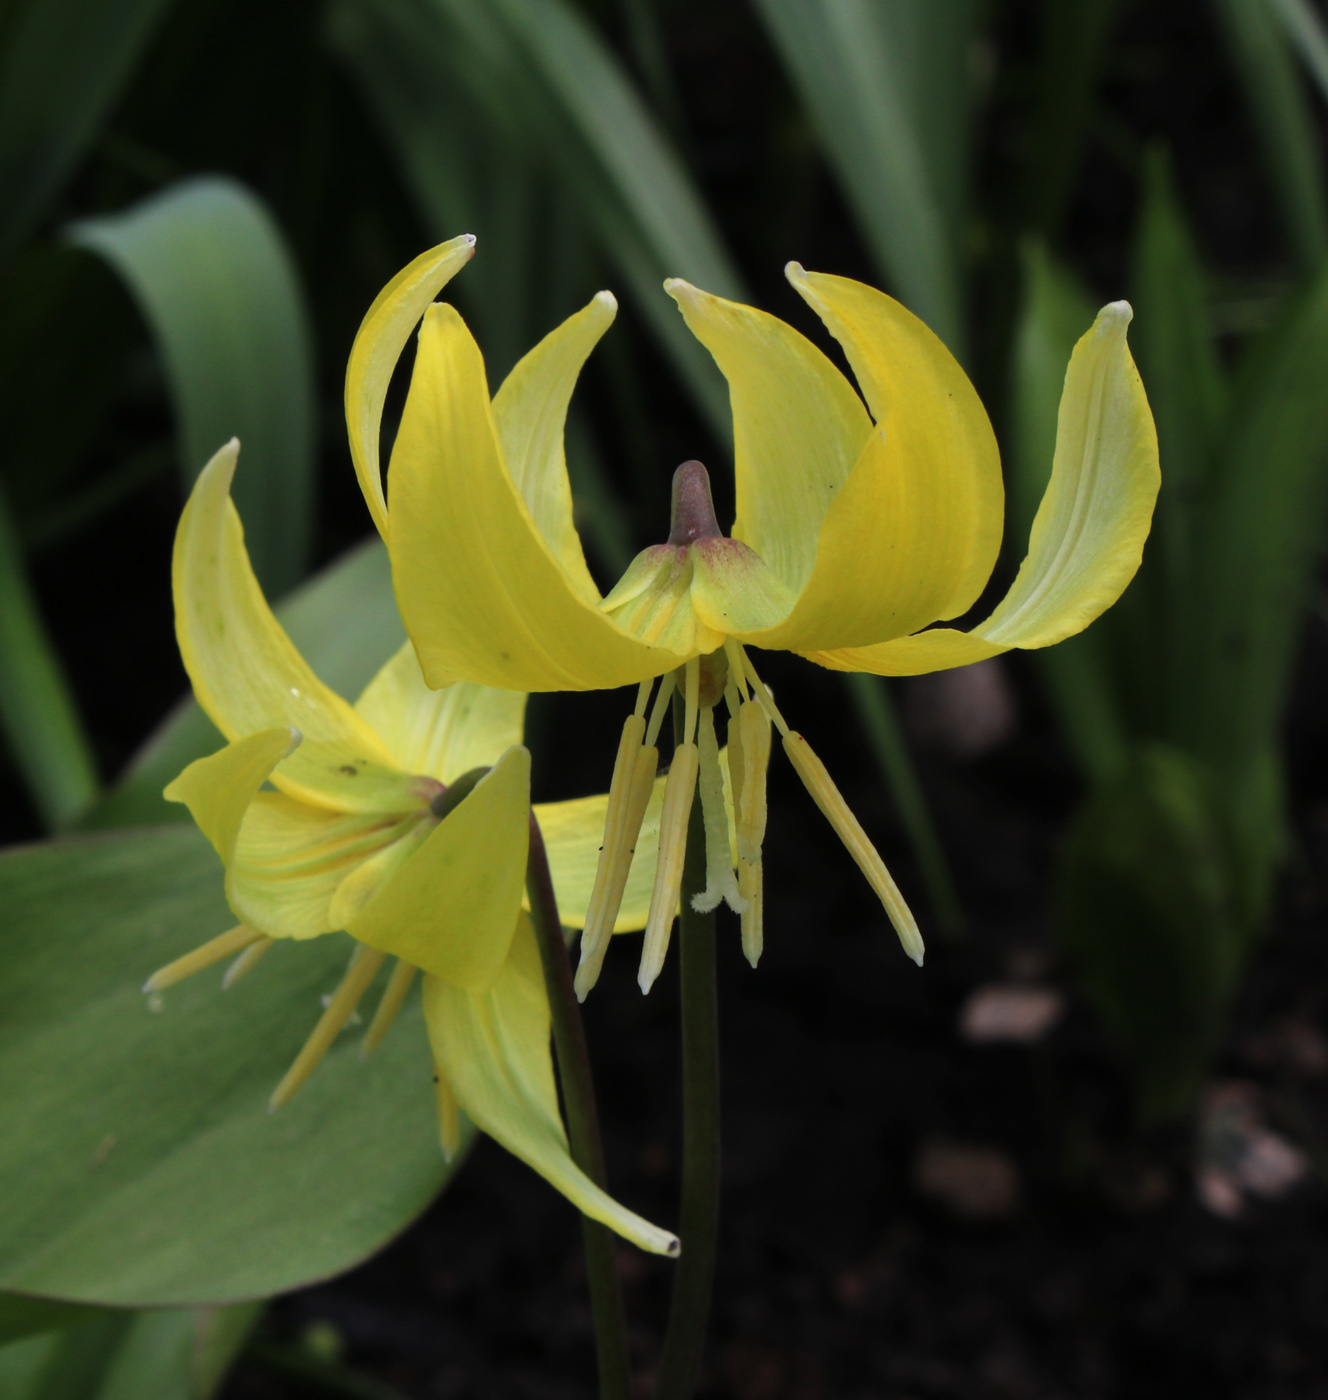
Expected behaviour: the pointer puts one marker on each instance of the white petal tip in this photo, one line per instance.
(150, 985)
(794, 271)
(607, 300)
(646, 980)
(1116, 313)
(676, 287)
(468, 239)
(674, 1247)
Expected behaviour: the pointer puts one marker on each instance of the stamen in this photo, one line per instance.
(661, 708)
(245, 962)
(449, 1115)
(752, 887)
(223, 945)
(629, 793)
(398, 984)
(732, 699)
(721, 883)
(753, 733)
(678, 793)
(763, 695)
(692, 694)
(363, 968)
(831, 802)
(642, 695)
(738, 664)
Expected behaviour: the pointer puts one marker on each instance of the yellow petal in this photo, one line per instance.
(483, 596)
(440, 733)
(573, 833)
(492, 1047)
(798, 427)
(378, 345)
(530, 411)
(1088, 536)
(916, 389)
(452, 906)
(219, 788)
(893, 543)
(290, 860)
(246, 672)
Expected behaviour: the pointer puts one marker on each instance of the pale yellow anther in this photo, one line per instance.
(753, 736)
(234, 940)
(363, 968)
(831, 802)
(721, 883)
(674, 816)
(394, 994)
(752, 888)
(449, 1116)
(245, 962)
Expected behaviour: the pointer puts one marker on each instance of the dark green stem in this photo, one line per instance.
(693, 1283)
(569, 1042)
(876, 710)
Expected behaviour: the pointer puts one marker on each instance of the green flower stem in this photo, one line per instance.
(693, 1284)
(569, 1040)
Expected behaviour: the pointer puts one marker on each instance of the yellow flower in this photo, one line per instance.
(859, 525)
(404, 820)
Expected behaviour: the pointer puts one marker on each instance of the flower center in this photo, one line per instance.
(700, 586)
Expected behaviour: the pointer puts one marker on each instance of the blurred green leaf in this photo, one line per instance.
(451, 83)
(1177, 357)
(37, 709)
(1056, 311)
(344, 622)
(1262, 59)
(1145, 907)
(1258, 543)
(1072, 53)
(179, 1354)
(150, 1171)
(890, 89)
(211, 272)
(1309, 36)
(27, 1317)
(63, 63)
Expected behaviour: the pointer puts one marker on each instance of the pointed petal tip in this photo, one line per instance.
(1115, 313)
(795, 272)
(674, 1247)
(678, 287)
(606, 299)
(469, 239)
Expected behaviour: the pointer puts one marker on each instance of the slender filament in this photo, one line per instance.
(234, 940)
(245, 961)
(831, 802)
(398, 984)
(363, 968)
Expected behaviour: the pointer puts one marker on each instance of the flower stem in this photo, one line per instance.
(693, 1283)
(569, 1040)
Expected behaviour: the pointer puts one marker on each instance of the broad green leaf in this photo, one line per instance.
(344, 622)
(890, 92)
(1145, 906)
(151, 1173)
(40, 718)
(1276, 94)
(176, 1354)
(63, 63)
(212, 274)
(1258, 543)
(531, 90)
(1055, 313)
